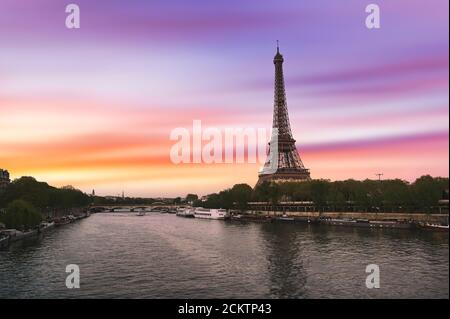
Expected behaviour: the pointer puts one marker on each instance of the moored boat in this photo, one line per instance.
(44, 226)
(212, 213)
(62, 221)
(339, 222)
(15, 235)
(436, 227)
(185, 212)
(285, 218)
(251, 218)
(4, 241)
(390, 224)
(368, 223)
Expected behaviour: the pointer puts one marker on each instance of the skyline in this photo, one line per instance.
(94, 107)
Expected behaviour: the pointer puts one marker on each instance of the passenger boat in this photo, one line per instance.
(185, 212)
(435, 227)
(206, 213)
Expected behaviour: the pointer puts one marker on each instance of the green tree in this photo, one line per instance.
(197, 203)
(226, 199)
(191, 197)
(21, 215)
(213, 201)
(427, 191)
(241, 195)
(319, 192)
(274, 193)
(43, 196)
(396, 195)
(261, 192)
(336, 197)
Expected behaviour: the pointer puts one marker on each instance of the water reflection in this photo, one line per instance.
(284, 253)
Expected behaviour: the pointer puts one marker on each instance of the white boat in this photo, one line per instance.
(436, 227)
(45, 226)
(185, 212)
(211, 213)
(4, 241)
(285, 218)
(141, 213)
(15, 235)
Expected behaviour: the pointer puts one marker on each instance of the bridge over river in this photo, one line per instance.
(155, 207)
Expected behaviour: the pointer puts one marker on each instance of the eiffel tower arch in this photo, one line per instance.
(283, 162)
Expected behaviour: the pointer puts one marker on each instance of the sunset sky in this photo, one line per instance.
(94, 107)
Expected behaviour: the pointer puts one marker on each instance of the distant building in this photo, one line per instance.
(4, 178)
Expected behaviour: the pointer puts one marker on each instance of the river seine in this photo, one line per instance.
(121, 255)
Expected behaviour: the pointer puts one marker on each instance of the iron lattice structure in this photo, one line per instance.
(287, 166)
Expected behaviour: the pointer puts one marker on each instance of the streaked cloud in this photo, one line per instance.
(95, 107)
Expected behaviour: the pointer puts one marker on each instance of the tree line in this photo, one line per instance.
(21, 215)
(24, 202)
(393, 195)
(43, 196)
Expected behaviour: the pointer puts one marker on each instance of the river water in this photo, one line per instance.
(121, 255)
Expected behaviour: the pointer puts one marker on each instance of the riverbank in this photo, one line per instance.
(414, 217)
(9, 236)
(438, 222)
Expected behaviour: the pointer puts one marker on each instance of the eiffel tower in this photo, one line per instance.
(283, 162)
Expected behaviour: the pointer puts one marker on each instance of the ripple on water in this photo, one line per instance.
(164, 256)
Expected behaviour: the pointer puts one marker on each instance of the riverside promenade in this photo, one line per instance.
(414, 217)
